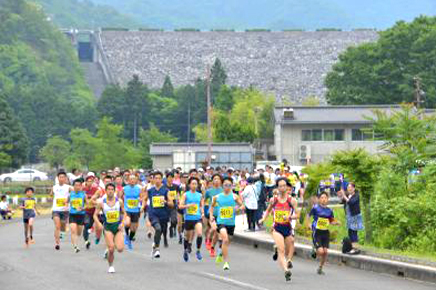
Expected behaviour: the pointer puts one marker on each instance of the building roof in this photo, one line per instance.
(169, 148)
(330, 114)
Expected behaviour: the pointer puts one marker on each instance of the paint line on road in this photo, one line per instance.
(231, 281)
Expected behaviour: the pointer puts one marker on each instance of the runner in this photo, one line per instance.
(28, 205)
(322, 218)
(132, 195)
(159, 211)
(211, 231)
(283, 208)
(113, 209)
(225, 205)
(77, 201)
(92, 194)
(172, 194)
(193, 204)
(60, 193)
(181, 212)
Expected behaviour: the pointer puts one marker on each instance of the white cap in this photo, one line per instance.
(90, 174)
(200, 169)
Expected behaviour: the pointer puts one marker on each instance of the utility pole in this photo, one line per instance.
(209, 117)
(189, 122)
(418, 94)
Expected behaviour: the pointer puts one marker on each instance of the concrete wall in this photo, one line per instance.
(291, 140)
(162, 162)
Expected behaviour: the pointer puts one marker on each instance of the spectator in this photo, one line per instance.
(249, 197)
(261, 198)
(351, 201)
(5, 209)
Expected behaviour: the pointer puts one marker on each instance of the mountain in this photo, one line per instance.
(85, 14)
(273, 14)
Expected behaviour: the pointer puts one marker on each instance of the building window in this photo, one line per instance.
(323, 135)
(362, 135)
(339, 134)
(306, 135)
(316, 135)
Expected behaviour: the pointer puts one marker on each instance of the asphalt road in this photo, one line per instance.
(41, 267)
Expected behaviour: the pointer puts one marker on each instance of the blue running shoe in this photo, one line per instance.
(185, 256)
(199, 256)
(129, 244)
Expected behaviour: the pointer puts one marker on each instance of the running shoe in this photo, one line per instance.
(199, 256)
(106, 252)
(111, 270)
(212, 253)
(166, 244)
(290, 265)
(149, 235)
(185, 256)
(88, 244)
(320, 271)
(219, 259)
(57, 247)
(226, 266)
(129, 245)
(288, 275)
(313, 254)
(208, 245)
(97, 240)
(76, 249)
(126, 240)
(32, 241)
(61, 236)
(276, 254)
(180, 240)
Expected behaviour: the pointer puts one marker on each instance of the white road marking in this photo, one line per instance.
(232, 281)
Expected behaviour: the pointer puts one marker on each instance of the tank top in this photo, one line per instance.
(112, 214)
(193, 213)
(77, 200)
(131, 198)
(60, 197)
(282, 211)
(226, 209)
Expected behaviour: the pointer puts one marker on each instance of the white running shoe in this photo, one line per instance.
(111, 270)
(156, 254)
(105, 254)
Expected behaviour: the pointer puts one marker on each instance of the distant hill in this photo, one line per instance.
(85, 14)
(273, 14)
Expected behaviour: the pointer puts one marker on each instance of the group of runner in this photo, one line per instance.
(112, 205)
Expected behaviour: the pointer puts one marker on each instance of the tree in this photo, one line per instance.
(136, 98)
(147, 137)
(383, 72)
(85, 149)
(167, 88)
(224, 101)
(218, 78)
(311, 101)
(14, 145)
(55, 151)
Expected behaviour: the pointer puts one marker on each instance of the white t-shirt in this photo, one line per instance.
(60, 197)
(249, 196)
(3, 205)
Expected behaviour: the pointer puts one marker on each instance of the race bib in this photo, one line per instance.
(172, 194)
(158, 201)
(112, 216)
(323, 224)
(29, 204)
(226, 212)
(76, 203)
(61, 202)
(192, 210)
(132, 203)
(281, 216)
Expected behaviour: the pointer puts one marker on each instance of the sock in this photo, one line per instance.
(199, 242)
(220, 243)
(131, 235)
(127, 229)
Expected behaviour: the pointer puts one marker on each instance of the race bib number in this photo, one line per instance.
(132, 203)
(281, 216)
(61, 202)
(158, 201)
(76, 203)
(172, 194)
(192, 210)
(323, 224)
(226, 212)
(29, 204)
(112, 216)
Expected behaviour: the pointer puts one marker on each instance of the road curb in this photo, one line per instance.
(395, 268)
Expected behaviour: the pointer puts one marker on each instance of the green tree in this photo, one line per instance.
(311, 101)
(383, 72)
(55, 151)
(218, 78)
(147, 137)
(85, 149)
(224, 101)
(14, 145)
(167, 88)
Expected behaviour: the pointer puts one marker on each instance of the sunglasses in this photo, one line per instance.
(227, 185)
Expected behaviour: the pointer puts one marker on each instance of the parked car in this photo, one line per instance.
(24, 175)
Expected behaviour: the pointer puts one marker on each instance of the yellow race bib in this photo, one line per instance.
(281, 216)
(192, 210)
(29, 204)
(158, 201)
(112, 216)
(226, 212)
(61, 202)
(322, 224)
(132, 203)
(77, 203)
(172, 194)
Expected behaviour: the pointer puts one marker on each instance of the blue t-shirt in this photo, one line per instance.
(225, 205)
(322, 217)
(193, 213)
(77, 200)
(158, 199)
(131, 198)
(210, 193)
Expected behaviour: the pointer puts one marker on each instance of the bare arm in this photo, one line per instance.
(211, 208)
(98, 208)
(268, 210)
